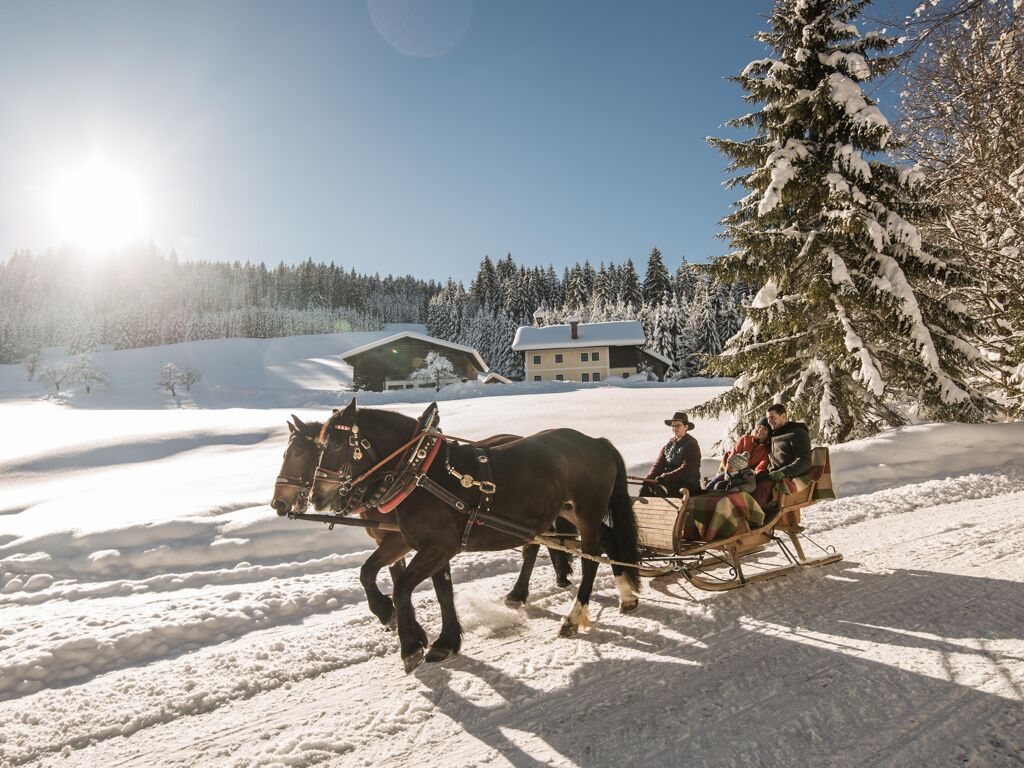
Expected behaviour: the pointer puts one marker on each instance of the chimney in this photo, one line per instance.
(574, 323)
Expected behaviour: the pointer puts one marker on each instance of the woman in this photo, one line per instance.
(755, 445)
(678, 463)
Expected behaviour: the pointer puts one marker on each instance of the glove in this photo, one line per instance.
(777, 475)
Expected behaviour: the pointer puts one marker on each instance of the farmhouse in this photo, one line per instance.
(388, 364)
(587, 351)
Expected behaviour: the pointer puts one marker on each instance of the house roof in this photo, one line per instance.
(657, 356)
(621, 333)
(421, 337)
(489, 375)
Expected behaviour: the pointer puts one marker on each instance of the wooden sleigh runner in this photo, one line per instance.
(709, 538)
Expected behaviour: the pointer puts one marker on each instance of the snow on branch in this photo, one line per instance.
(781, 162)
(869, 375)
(950, 391)
(846, 93)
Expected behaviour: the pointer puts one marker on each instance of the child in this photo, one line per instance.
(738, 476)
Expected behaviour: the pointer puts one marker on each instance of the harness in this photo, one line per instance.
(398, 484)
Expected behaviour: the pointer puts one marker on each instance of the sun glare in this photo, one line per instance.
(98, 206)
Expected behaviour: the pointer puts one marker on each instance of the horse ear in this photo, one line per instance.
(298, 421)
(292, 428)
(350, 410)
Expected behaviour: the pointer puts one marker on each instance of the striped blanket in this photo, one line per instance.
(820, 473)
(713, 516)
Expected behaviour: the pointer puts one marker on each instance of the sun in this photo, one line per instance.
(99, 205)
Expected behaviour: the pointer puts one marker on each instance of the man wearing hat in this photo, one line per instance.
(678, 463)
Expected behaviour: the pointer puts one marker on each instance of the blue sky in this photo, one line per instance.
(556, 131)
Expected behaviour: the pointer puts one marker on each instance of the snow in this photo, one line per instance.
(782, 163)
(154, 610)
(616, 333)
(846, 93)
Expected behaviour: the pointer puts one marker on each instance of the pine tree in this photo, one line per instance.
(656, 282)
(630, 292)
(854, 323)
(686, 282)
(484, 289)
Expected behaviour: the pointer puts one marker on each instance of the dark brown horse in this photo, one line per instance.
(536, 479)
(291, 494)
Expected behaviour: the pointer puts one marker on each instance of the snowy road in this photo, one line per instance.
(910, 652)
(154, 611)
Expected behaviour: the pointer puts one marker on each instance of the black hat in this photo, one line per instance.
(764, 423)
(679, 416)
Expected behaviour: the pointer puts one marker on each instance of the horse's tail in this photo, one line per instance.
(624, 520)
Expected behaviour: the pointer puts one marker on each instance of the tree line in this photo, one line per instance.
(684, 314)
(141, 298)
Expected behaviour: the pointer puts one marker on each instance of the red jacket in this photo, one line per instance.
(758, 453)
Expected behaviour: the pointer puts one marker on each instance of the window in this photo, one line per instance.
(625, 374)
(536, 359)
(584, 357)
(558, 358)
(538, 378)
(596, 356)
(597, 376)
(559, 377)
(586, 377)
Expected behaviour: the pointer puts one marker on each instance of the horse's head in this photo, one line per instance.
(345, 453)
(291, 490)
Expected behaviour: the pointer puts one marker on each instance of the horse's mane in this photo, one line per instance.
(372, 418)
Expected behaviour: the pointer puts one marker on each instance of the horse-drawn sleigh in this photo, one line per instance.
(415, 488)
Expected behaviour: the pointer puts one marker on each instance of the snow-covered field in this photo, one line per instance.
(155, 611)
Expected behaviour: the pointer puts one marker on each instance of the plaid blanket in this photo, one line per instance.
(713, 516)
(820, 474)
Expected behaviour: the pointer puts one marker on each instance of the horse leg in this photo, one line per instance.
(390, 551)
(411, 636)
(579, 616)
(562, 561)
(628, 601)
(517, 597)
(449, 642)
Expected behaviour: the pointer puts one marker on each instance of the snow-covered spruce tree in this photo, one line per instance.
(656, 280)
(629, 286)
(857, 324)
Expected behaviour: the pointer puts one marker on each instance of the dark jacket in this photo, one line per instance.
(790, 450)
(678, 464)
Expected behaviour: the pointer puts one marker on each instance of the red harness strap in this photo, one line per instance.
(404, 493)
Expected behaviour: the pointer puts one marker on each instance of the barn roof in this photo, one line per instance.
(421, 337)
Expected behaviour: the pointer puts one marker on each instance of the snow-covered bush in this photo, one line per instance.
(436, 369)
(59, 374)
(170, 378)
(88, 374)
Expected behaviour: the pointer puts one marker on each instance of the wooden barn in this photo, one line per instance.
(388, 364)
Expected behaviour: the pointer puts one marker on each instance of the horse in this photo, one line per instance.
(557, 472)
(291, 495)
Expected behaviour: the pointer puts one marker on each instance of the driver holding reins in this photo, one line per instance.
(678, 463)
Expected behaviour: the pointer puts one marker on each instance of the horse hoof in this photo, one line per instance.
(568, 629)
(391, 624)
(436, 654)
(514, 602)
(629, 607)
(413, 660)
(563, 583)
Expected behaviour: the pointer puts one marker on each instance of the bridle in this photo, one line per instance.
(355, 490)
(304, 484)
